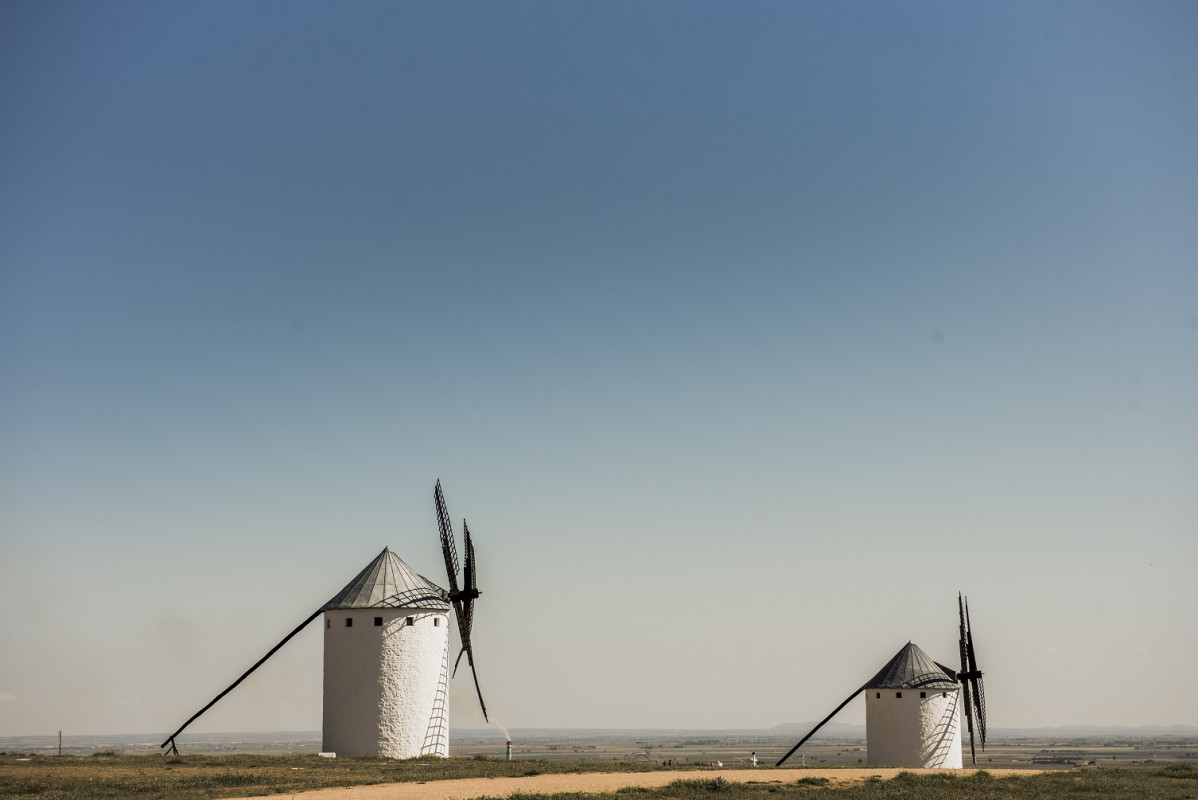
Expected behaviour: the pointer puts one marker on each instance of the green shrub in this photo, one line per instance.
(699, 785)
(1179, 771)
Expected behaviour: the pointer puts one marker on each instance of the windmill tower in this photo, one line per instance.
(913, 708)
(386, 655)
(913, 713)
(386, 664)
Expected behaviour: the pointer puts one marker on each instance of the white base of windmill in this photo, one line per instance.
(903, 729)
(385, 684)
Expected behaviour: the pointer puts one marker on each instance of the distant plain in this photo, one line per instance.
(1050, 748)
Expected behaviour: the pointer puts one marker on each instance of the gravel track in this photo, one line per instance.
(599, 782)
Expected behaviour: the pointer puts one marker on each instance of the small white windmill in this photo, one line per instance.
(913, 708)
(386, 655)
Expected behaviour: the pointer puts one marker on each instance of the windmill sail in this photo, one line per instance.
(470, 580)
(974, 677)
(471, 594)
(971, 680)
(462, 598)
(448, 548)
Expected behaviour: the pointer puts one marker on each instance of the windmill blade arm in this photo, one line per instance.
(961, 639)
(465, 611)
(968, 716)
(469, 576)
(448, 548)
(457, 662)
(823, 722)
(459, 610)
(477, 688)
(979, 707)
(171, 739)
(973, 753)
(970, 654)
(469, 589)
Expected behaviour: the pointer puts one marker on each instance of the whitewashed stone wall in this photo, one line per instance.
(913, 731)
(385, 686)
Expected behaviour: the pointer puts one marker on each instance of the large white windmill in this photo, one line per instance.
(913, 713)
(386, 664)
(386, 655)
(914, 706)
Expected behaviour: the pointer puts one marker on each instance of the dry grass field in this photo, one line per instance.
(190, 777)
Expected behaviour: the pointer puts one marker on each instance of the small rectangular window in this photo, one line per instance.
(410, 621)
(944, 694)
(328, 623)
(378, 622)
(877, 695)
(349, 622)
(898, 694)
(436, 622)
(923, 694)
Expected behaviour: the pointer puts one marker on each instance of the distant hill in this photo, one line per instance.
(833, 730)
(1073, 731)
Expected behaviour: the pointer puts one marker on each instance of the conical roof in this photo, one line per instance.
(912, 668)
(387, 582)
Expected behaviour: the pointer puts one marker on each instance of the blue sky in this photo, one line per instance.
(744, 334)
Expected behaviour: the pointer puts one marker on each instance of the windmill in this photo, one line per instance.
(913, 707)
(386, 655)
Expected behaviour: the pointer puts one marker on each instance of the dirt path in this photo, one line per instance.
(597, 782)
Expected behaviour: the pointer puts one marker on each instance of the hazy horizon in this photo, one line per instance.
(744, 335)
(786, 730)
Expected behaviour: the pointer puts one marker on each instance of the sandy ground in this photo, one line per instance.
(596, 782)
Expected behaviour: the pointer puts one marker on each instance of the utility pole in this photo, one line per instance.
(60, 742)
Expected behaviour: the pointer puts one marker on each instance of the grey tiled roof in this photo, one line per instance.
(912, 668)
(387, 582)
